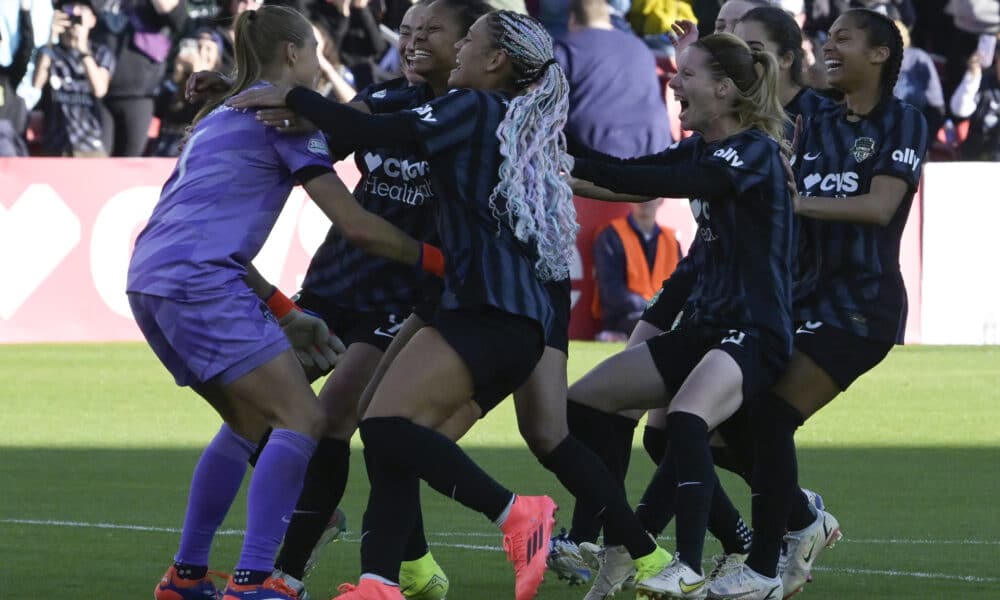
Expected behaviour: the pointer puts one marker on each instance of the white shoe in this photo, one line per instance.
(802, 548)
(726, 563)
(746, 584)
(616, 567)
(591, 553)
(676, 580)
(298, 586)
(334, 528)
(565, 561)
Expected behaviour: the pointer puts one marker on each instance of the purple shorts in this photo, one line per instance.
(217, 340)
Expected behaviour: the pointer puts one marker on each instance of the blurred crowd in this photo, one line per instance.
(106, 77)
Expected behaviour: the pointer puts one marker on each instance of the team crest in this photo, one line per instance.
(863, 148)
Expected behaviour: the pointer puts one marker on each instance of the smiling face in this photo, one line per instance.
(431, 52)
(414, 15)
(696, 90)
(477, 55)
(849, 58)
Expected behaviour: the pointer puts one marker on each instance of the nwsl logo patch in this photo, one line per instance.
(863, 148)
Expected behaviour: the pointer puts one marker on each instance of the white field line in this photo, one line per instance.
(479, 547)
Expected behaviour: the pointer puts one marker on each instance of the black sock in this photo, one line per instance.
(438, 461)
(725, 523)
(326, 479)
(775, 480)
(249, 577)
(416, 542)
(695, 483)
(734, 462)
(658, 503)
(654, 440)
(390, 516)
(801, 513)
(186, 571)
(585, 476)
(609, 436)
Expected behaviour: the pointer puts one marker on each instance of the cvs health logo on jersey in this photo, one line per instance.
(907, 156)
(841, 183)
(730, 155)
(393, 178)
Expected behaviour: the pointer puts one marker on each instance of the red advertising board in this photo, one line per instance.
(67, 227)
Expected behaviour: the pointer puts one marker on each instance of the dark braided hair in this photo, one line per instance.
(882, 31)
(466, 12)
(781, 29)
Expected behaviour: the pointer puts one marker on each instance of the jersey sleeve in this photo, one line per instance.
(391, 99)
(300, 151)
(448, 121)
(904, 148)
(745, 159)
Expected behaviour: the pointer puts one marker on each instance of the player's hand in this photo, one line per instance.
(285, 121)
(311, 340)
(682, 34)
(203, 84)
(268, 96)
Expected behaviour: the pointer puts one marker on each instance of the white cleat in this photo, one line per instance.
(743, 583)
(295, 584)
(726, 563)
(336, 526)
(676, 580)
(591, 555)
(565, 561)
(802, 548)
(616, 567)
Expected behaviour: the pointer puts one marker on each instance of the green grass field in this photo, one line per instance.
(98, 446)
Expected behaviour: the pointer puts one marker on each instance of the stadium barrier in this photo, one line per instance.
(67, 227)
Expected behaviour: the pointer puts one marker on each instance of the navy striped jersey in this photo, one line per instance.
(395, 184)
(859, 286)
(805, 257)
(738, 271)
(805, 103)
(484, 263)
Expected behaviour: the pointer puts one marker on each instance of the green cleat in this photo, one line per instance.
(423, 579)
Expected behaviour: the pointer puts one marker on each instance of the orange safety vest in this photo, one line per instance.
(638, 276)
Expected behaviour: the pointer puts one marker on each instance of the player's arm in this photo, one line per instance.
(691, 180)
(364, 229)
(588, 189)
(877, 207)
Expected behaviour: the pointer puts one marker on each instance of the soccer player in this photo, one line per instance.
(857, 168)
(213, 333)
(732, 331)
(732, 11)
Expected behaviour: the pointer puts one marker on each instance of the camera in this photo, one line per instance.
(73, 19)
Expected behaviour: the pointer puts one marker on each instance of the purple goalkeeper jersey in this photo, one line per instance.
(219, 205)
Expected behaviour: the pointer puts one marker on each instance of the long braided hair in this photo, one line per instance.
(539, 203)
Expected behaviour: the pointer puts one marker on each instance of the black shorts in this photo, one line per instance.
(843, 355)
(677, 352)
(500, 349)
(560, 297)
(352, 326)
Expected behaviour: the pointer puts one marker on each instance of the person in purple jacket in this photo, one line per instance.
(188, 289)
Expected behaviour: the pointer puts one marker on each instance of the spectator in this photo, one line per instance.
(632, 257)
(203, 52)
(13, 113)
(353, 25)
(139, 34)
(973, 18)
(654, 17)
(616, 102)
(335, 80)
(918, 82)
(227, 29)
(978, 97)
(732, 11)
(73, 72)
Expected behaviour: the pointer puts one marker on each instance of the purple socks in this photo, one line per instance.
(274, 490)
(215, 483)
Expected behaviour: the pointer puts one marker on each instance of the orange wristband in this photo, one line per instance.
(431, 260)
(280, 304)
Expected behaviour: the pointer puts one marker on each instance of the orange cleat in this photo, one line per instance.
(271, 589)
(369, 589)
(173, 587)
(526, 535)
